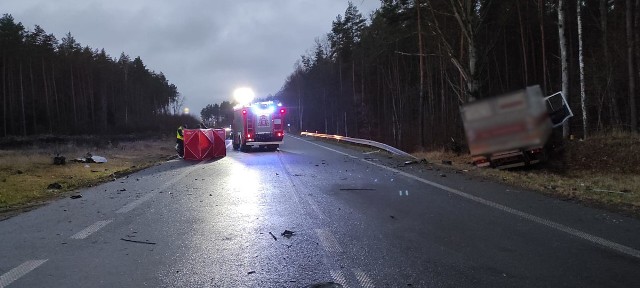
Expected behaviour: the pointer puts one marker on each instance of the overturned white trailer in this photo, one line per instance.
(512, 129)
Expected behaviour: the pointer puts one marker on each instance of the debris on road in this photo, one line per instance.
(371, 152)
(287, 233)
(297, 175)
(392, 217)
(122, 190)
(443, 175)
(324, 285)
(274, 236)
(76, 196)
(54, 186)
(251, 272)
(137, 241)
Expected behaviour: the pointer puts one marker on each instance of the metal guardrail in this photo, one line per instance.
(371, 143)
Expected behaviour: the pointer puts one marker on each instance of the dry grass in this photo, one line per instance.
(603, 171)
(25, 174)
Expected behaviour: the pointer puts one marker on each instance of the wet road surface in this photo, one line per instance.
(358, 218)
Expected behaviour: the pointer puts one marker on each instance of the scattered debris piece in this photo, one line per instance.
(76, 196)
(277, 174)
(287, 233)
(410, 162)
(59, 160)
(98, 159)
(55, 186)
(210, 194)
(392, 217)
(371, 152)
(137, 241)
(122, 190)
(324, 285)
(443, 175)
(274, 236)
(357, 189)
(297, 175)
(447, 162)
(610, 191)
(251, 272)
(317, 165)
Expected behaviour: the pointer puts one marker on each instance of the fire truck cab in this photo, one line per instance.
(258, 124)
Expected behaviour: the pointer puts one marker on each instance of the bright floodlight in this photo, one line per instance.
(243, 95)
(186, 110)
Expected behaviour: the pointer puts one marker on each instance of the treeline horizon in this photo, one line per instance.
(60, 87)
(400, 76)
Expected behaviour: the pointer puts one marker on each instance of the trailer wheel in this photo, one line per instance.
(272, 147)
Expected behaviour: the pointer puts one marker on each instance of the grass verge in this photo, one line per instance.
(26, 174)
(603, 172)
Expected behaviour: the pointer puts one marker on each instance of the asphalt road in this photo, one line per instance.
(358, 219)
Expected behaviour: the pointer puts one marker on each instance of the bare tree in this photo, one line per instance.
(563, 59)
(632, 85)
(583, 97)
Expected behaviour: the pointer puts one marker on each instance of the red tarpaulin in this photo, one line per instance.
(219, 148)
(200, 144)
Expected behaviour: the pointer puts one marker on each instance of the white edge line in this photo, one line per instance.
(557, 226)
(91, 229)
(15, 273)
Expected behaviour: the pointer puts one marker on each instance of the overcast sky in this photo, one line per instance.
(206, 48)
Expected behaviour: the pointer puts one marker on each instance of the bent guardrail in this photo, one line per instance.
(371, 143)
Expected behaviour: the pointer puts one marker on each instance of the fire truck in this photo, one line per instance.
(258, 124)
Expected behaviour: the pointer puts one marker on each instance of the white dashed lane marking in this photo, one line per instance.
(15, 273)
(363, 279)
(338, 277)
(136, 203)
(91, 229)
(328, 241)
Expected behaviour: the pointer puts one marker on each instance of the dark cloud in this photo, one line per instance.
(206, 48)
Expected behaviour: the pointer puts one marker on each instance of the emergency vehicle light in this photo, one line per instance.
(256, 109)
(282, 111)
(244, 111)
